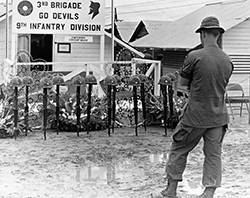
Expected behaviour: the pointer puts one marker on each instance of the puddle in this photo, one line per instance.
(159, 158)
(123, 172)
(190, 187)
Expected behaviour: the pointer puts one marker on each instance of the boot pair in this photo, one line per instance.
(170, 191)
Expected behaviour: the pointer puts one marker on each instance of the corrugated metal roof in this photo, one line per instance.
(153, 26)
(127, 29)
(181, 33)
(146, 27)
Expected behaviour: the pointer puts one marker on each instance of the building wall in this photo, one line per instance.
(107, 55)
(172, 61)
(237, 39)
(80, 52)
(236, 43)
(3, 40)
(3, 46)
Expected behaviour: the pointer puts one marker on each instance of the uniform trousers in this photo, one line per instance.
(185, 139)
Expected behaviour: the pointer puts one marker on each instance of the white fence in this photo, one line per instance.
(99, 69)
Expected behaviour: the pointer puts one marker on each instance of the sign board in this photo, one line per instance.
(79, 39)
(63, 47)
(85, 17)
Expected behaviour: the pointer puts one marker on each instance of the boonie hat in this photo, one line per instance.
(210, 23)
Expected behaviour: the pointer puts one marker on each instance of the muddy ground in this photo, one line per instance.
(120, 166)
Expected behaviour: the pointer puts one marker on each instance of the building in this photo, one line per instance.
(176, 39)
(67, 49)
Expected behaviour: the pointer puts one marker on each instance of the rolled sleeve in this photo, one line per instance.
(188, 67)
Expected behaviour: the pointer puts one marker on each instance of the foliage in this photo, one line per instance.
(155, 110)
(67, 114)
(68, 111)
(7, 116)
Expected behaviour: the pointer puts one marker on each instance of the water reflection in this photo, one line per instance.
(190, 187)
(159, 158)
(115, 172)
(106, 174)
(124, 172)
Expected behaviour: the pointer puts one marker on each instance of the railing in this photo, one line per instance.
(101, 69)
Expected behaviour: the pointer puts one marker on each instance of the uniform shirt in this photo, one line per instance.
(208, 71)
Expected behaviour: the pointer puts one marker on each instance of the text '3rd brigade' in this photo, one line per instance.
(61, 17)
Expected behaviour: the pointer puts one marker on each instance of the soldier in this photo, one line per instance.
(206, 73)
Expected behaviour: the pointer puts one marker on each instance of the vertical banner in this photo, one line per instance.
(59, 17)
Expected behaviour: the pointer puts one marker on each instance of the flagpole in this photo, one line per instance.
(7, 28)
(113, 30)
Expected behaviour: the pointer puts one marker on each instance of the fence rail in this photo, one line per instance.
(99, 68)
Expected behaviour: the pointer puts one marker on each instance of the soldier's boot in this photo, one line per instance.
(208, 192)
(170, 191)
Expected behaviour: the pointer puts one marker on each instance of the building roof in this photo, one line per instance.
(146, 27)
(124, 44)
(181, 33)
(153, 26)
(126, 29)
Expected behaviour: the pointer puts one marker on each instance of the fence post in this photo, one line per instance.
(16, 82)
(135, 82)
(57, 80)
(157, 76)
(133, 65)
(90, 80)
(27, 82)
(46, 84)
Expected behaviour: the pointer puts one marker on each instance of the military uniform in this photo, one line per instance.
(208, 71)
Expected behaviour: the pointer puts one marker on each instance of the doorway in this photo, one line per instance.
(41, 50)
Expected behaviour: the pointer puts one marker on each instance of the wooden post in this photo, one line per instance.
(45, 111)
(133, 65)
(113, 107)
(26, 109)
(165, 105)
(109, 107)
(144, 111)
(171, 103)
(157, 76)
(7, 28)
(78, 109)
(89, 107)
(135, 108)
(113, 31)
(15, 111)
(102, 55)
(57, 108)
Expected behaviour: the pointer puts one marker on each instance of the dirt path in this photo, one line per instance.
(121, 166)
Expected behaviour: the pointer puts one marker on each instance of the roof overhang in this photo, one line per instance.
(122, 43)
